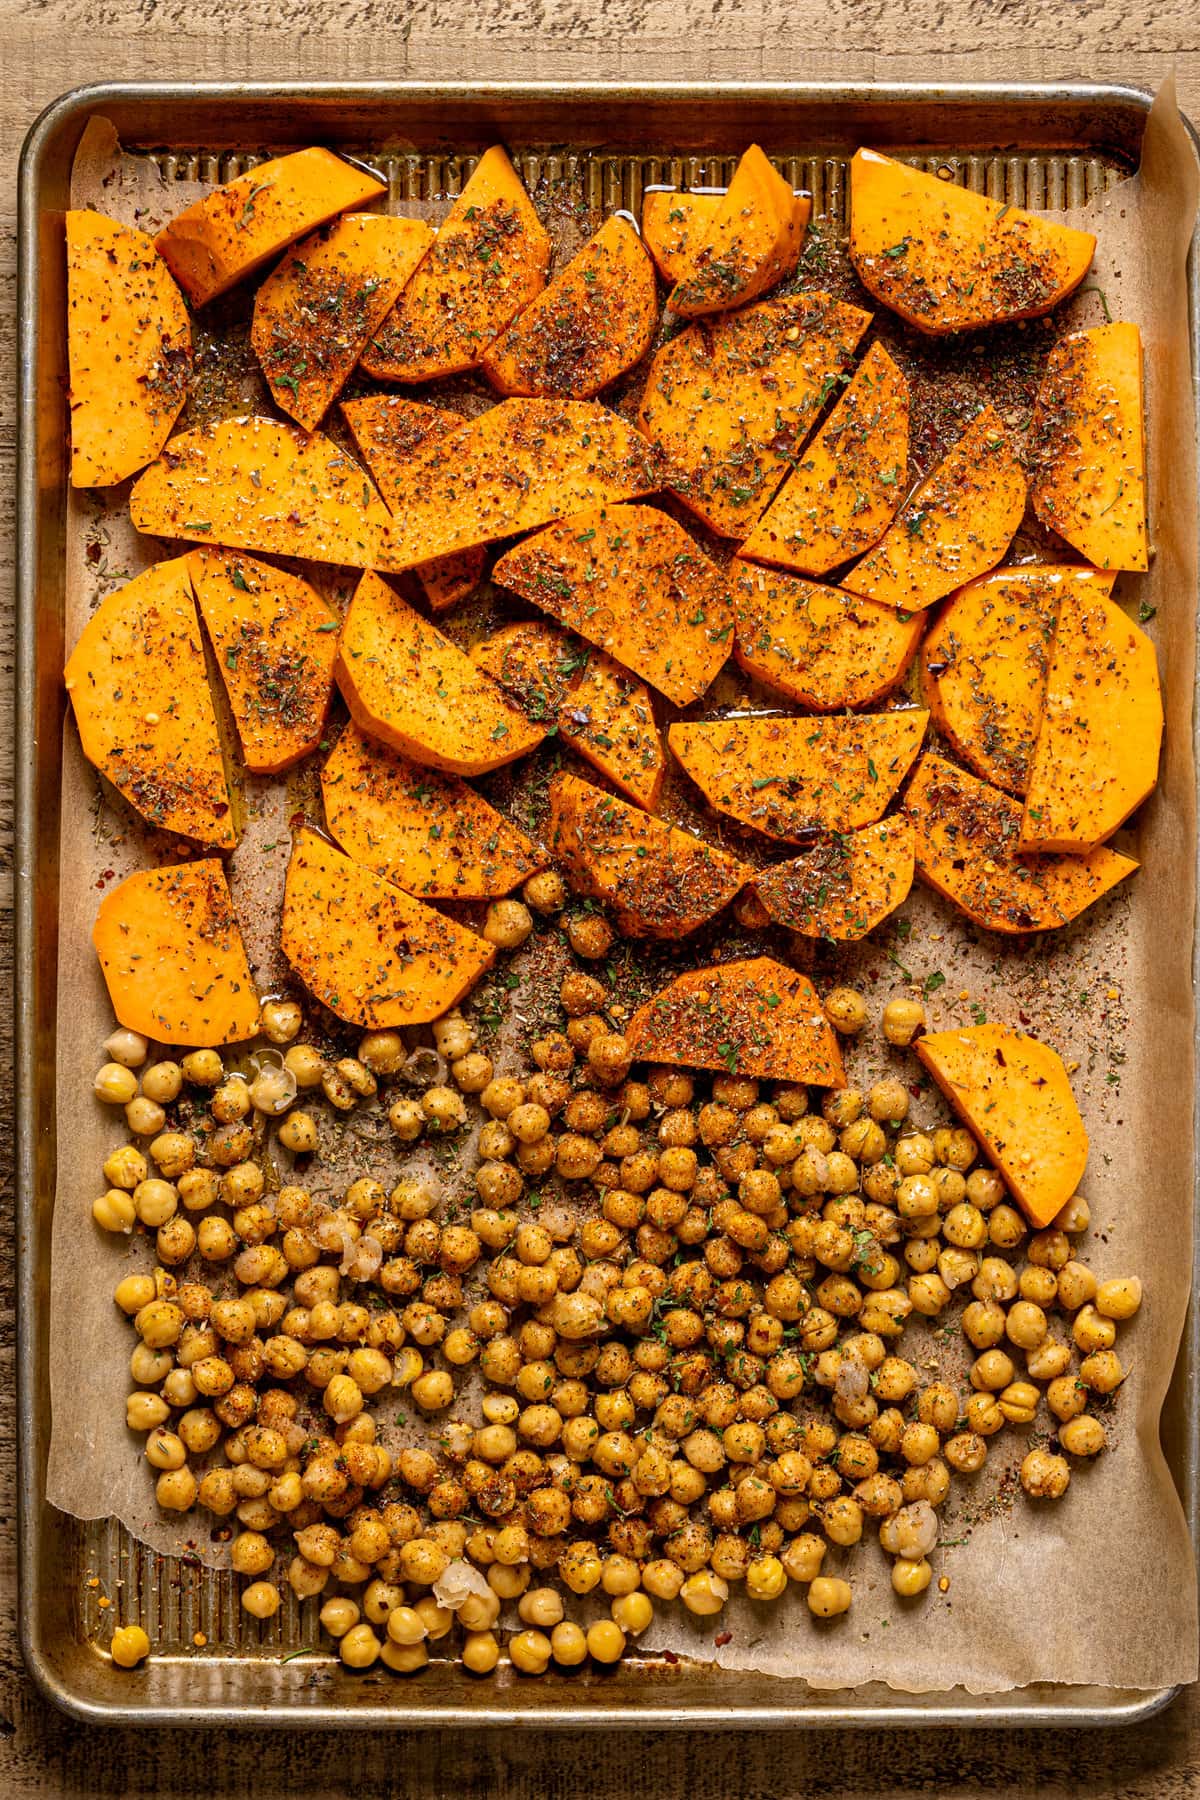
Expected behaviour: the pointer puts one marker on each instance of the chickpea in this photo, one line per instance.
(966, 1451)
(1044, 1476)
(1116, 1299)
(129, 1646)
(1102, 1371)
(507, 925)
(828, 1596)
(902, 1019)
(359, 1647)
(589, 935)
(114, 1211)
(1093, 1332)
(115, 1084)
(846, 1010)
(993, 1370)
(545, 892)
(125, 1168)
(262, 1599)
(704, 1593)
(1066, 1397)
(1026, 1325)
(911, 1578)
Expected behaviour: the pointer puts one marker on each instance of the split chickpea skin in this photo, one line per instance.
(694, 1384)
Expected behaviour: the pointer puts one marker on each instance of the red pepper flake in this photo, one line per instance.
(722, 1638)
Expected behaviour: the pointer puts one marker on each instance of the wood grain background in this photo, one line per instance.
(48, 46)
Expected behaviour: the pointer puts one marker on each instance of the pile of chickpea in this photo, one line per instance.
(686, 1298)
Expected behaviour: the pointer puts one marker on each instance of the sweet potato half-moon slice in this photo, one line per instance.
(968, 848)
(753, 241)
(756, 1017)
(129, 348)
(368, 951)
(984, 663)
(173, 958)
(845, 885)
(1014, 1094)
(946, 259)
(429, 833)
(957, 524)
(1087, 446)
(659, 882)
(1096, 754)
(275, 643)
(817, 645)
(489, 261)
(140, 694)
(219, 240)
(673, 228)
(410, 687)
(792, 778)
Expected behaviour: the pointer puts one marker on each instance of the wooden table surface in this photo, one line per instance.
(48, 46)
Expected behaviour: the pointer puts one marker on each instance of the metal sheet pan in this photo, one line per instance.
(1048, 145)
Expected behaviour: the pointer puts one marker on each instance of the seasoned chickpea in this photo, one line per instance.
(993, 1370)
(115, 1084)
(1044, 1476)
(129, 1646)
(589, 935)
(507, 925)
(828, 1596)
(530, 1652)
(704, 1593)
(125, 1167)
(114, 1211)
(162, 1082)
(262, 1599)
(1092, 1331)
(1026, 1325)
(1116, 1299)
(846, 1010)
(1102, 1371)
(902, 1019)
(545, 892)
(1082, 1435)
(910, 1578)
(359, 1647)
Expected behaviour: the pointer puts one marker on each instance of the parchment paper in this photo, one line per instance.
(1099, 1588)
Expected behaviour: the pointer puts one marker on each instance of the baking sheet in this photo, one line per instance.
(1113, 993)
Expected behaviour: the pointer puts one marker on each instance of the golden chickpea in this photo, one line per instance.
(444, 1108)
(128, 1048)
(114, 1211)
(129, 1647)
(589, 935)
(1044, 1476)
(545, 892)
(280, 1020)
(115, 1084)
(910, 1578)
(298, 1133)
(704, 1593)
(1051, 1359)
(262, 1599)
(529, 1652)
(162, 1082)
(1102, 1371)
(480, 1652)
(1091, 1331)
(1075, 1216)
(846, 1010)
(359, 1647)
(902, 1019)
(125, 1167)
(507, 925)
(541, 1607)
(144, 1117)
(993, 1370)
(1026, 1325)
(828, 1596)
(1115, 1299)
(966, 1451)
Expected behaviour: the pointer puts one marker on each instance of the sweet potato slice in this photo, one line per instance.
(731, 400)
(1096, 754)
(430, 834)
(597, 707)
(593, 322)
(173, 959)
(415, 691)
(315, 314)
(946, 259)
(659, 882)
(368, 951)
(967, 846)
(756, 1017)
(129, 348)
(983, 671)
(140, 693)
(752, 242)
(234, 230)
(791, 778)
(1087, 446)
(252, 484)
(1013, 1092)
(514, 468)
(820, 646)
(489, 261)
(845, 886)
(275, 642)
(957, 524)
(843, 493)
(673, 228)
(630, 580)
(395, 437)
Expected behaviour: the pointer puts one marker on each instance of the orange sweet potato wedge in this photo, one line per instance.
(591, 325)
(845, 886)
(428, 833)
(983, 669)
(129, 348)
(140, 693)
(253, 484)
(817, 645)
(792, 778)
(411, 688)
(1013, 1092)
(1087, 446)
(489, 261)
(173, 959)
(1096, 754)
(221, 239)
(395, 436)
(595, 705)
(518, 466)
(730, 401)
(630, 580)
(957, 524)
(946, 259)
(967, 847)
(673, 228)
(752, 242)
(317, 311)
(845, 490)
(659, 882)
(368, 951)
(275, 642)
(756, 1017)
